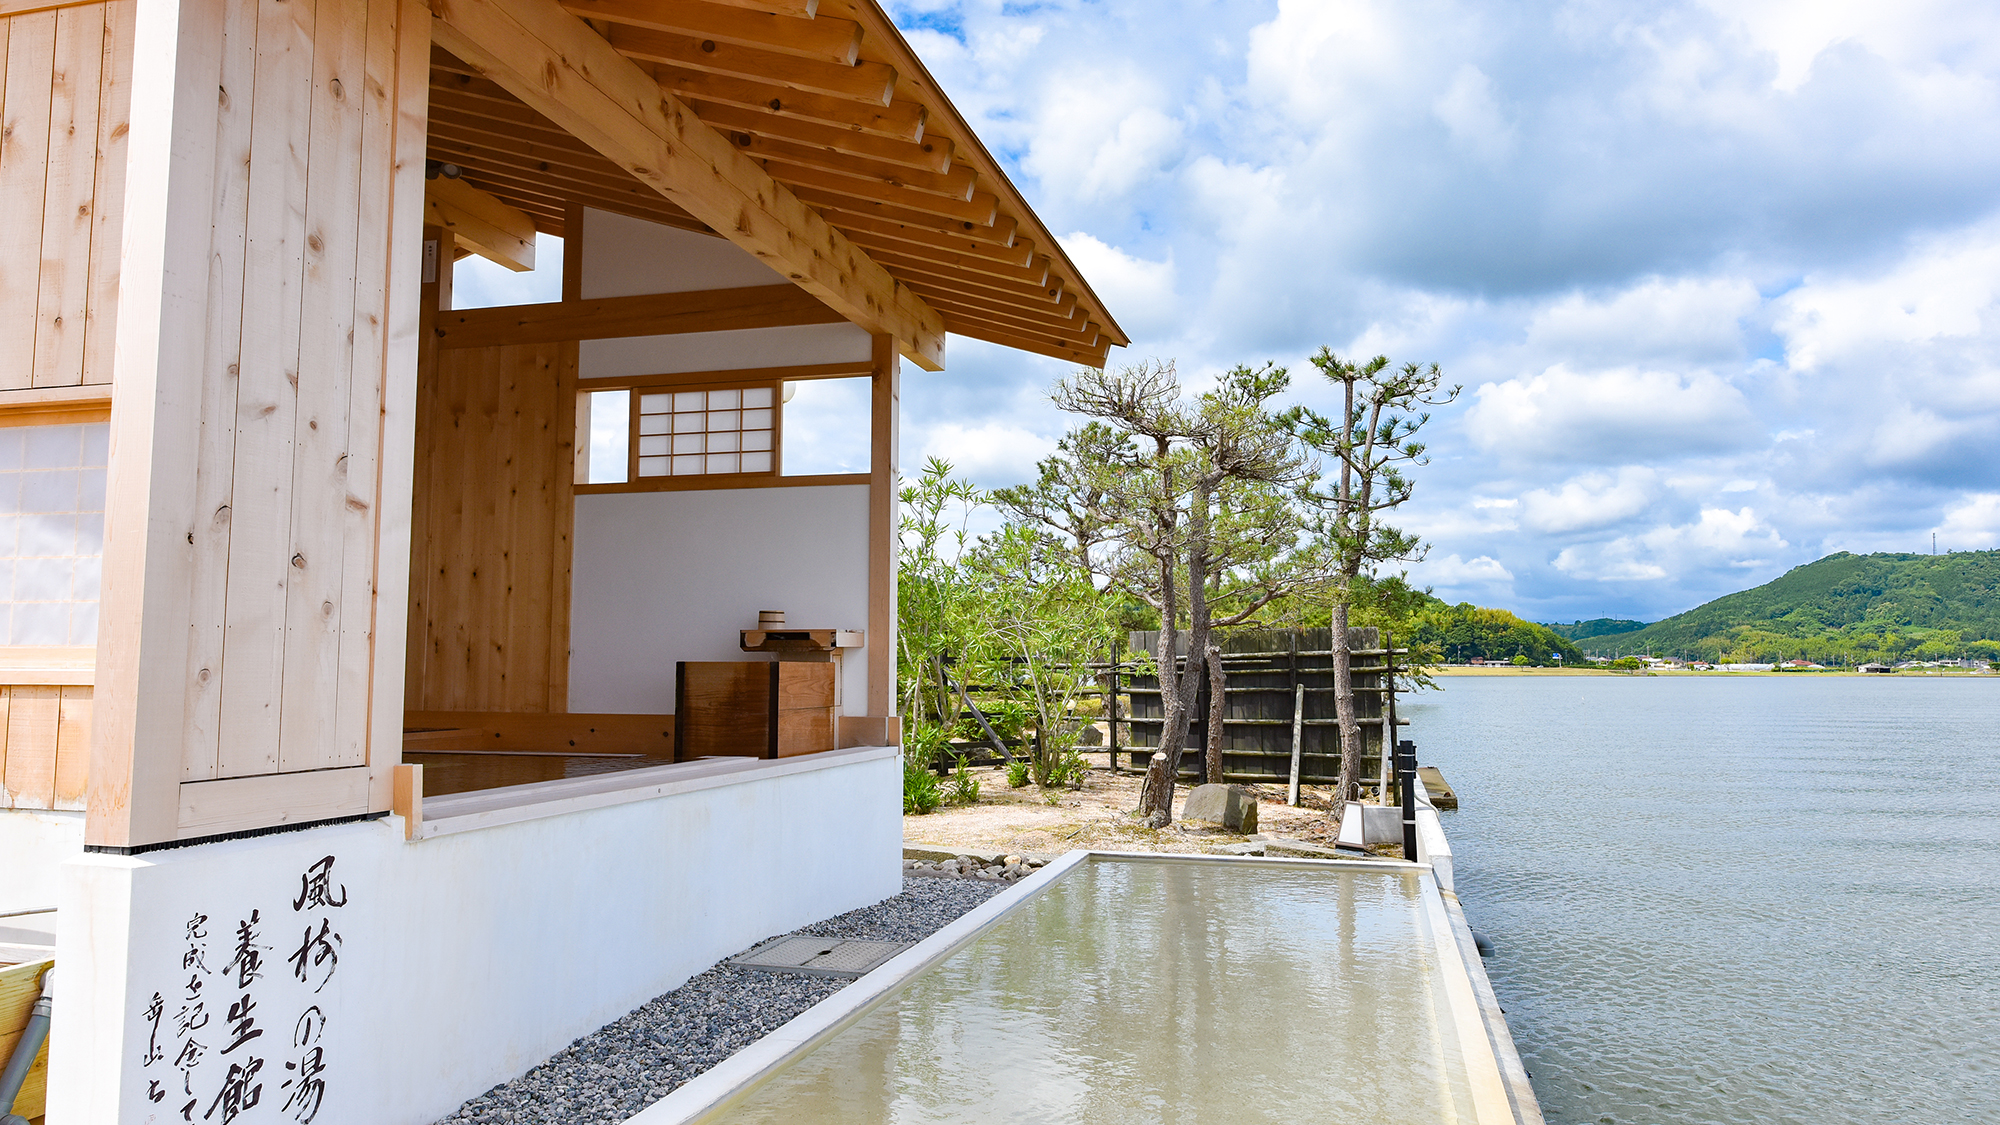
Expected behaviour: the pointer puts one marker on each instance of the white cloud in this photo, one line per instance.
(1101, 135)
(1696, 318)
(1457, 579)
(1141, 291)
(1945, 289)
(1590, 500)
(993, 451)
(1472, 115)
(1720, 539)
(1972, 525)
(1563, 414)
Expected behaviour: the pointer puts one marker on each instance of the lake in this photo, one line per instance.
(1734, 899)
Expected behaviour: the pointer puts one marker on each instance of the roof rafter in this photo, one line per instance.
(555, 63)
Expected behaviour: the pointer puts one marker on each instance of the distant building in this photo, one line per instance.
(1883, 669)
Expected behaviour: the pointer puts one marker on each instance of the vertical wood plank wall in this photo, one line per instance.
(490, 561)
(262, 383)
(65, 111)
(44, 746)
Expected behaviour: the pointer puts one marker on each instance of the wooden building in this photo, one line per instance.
(346, 626)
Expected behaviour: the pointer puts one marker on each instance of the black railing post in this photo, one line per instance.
(1406, 780)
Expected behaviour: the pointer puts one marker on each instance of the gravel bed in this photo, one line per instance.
(621, 1068)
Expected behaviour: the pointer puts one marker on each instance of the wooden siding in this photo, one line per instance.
(44, 746)
(65, 110)
(490, 561)
(267, 348)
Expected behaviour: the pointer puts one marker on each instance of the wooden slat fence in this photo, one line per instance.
(1264, 669)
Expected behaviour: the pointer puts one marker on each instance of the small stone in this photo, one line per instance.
(1013, 861)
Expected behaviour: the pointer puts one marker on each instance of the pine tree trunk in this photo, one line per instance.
(1217, 685)
(1157, 804)
(1343, 709)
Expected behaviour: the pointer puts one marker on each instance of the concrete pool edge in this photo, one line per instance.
(740, 1072)
(1489, 1056)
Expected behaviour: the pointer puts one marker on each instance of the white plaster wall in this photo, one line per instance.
(722, 351)
(625, 257)
(462, 960)
(665, 576)
(33, 845)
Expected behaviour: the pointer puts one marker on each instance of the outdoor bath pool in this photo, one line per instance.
(1118, 988)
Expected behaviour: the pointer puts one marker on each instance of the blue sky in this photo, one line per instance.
(1721, 280)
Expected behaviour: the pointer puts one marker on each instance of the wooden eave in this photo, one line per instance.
(835, 107)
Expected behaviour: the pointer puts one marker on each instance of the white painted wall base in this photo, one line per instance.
(430, 971)
(33, 846)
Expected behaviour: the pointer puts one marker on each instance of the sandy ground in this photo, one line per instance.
(1098, 816)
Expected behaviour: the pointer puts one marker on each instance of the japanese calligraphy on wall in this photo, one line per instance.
(241, 1032)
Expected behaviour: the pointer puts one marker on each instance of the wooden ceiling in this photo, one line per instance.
(827, 97)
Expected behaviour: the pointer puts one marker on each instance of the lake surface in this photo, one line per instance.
(1734, 899)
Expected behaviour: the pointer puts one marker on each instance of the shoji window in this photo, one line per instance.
(51, 533)
(706, 432)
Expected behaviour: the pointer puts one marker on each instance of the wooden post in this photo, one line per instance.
(259, 491)
(1388, 709)
(1218, 708)
(1111, 709)
(1298, 731)
(882, 484)
(1298, 722)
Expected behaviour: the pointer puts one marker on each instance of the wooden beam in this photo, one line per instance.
(803, 9)
(481, 223)
(735, 376)
(10, 8)
(1032, 282)
(956, 184)
(653, 314)
(834, 40)
(901, 119)
(46, 406)
(550, 733)
(930, 156)
(884, 419)
(555, 63)
(982, 210)
(872, 83)
(1031, 342)
(930, 240)
(1076, 333)
(1000, 232)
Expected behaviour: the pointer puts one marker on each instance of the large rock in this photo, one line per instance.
(1230, 806)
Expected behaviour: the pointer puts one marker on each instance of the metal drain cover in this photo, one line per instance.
(821, 956)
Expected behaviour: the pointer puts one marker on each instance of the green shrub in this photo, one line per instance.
(920, 790)
(964, 786)
(1017, 773)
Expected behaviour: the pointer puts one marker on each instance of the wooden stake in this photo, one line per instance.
(1298, 732)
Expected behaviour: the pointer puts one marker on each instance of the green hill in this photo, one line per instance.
(1843, 609)
(1458, 633)
(1595, 627)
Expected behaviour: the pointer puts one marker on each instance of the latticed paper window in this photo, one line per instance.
(51, 532)
(700, 432)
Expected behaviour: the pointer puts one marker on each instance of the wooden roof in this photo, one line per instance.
(827, 97)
